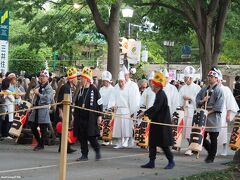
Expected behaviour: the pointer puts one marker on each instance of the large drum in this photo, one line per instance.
(20, 119)
(178, 119)
(198, 129)
(106, 126)
(141, 132)
(234, 143)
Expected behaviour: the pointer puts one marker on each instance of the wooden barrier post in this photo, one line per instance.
(64, 139)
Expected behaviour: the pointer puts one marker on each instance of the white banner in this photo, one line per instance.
(3, 56)
(134, 51)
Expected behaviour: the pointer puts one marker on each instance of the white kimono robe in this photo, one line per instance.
(134, 96)
(105, 93)
(231, 105)
(147, 98)
(120, 98)
(172, 96)
(191, 91)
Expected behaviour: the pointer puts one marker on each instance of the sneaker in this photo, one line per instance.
(125, 144)
(9, 137)
(188, 152)
(118, 146)
(131, 143)
(224, 151)
(224, 154)
(170, 165)
(208, 161)
(149, 165)
(82, 158)
(105, 143)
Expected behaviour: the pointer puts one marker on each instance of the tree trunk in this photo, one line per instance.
(209, 45)
(208, 55)
(110, 31)
(113, 40)
(207, 19)
(205, 58)
(113, 51)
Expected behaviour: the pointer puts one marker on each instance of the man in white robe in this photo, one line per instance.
(230, 109)
(188, 93)
(148, 96)
(105, 91)
(120, 101)
(134, 101)
(172, 94)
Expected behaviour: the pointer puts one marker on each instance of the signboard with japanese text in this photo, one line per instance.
(3, 56)
(4, 25)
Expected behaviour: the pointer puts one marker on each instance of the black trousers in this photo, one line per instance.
(5, 126)
(1, 122)
(60, 141)
(83, 139)
(166, 150)
(43, 129)
(211, 146)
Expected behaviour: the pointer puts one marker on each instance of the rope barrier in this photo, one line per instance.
(32, 108)
(157, 123)
(114, 115)
(12, 93)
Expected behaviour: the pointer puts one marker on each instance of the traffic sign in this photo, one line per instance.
(186, 50)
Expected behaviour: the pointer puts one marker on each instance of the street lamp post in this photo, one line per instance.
(169, 45)
(127, 13)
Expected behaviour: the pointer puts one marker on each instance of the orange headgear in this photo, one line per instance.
(72, 73)
(87, 73)
(159, 80)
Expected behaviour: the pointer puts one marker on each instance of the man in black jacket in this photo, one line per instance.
(86, 122)
(159, 135)
(67, 88)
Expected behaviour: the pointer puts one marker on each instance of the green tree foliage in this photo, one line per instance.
(231, 41)
(22, 59)
(168, 26)
(206, 18)
(63, 26)
(231, 51)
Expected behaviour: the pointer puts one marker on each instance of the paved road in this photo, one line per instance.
(21, 162)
